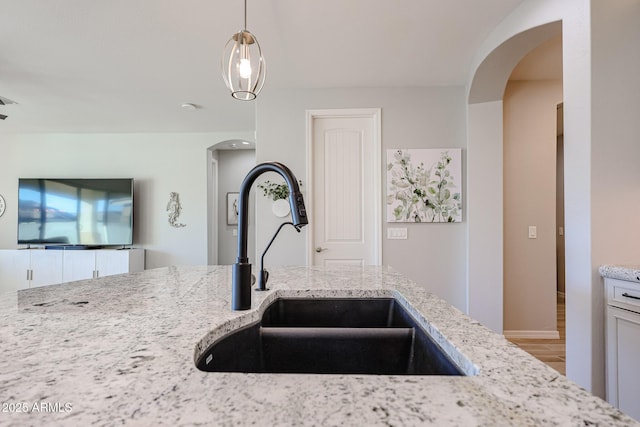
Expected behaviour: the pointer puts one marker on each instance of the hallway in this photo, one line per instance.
(551, 352)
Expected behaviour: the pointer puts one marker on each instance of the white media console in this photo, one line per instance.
(28, 268)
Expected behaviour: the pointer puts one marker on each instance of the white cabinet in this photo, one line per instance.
(46, 268)
(79, 265)
(109, 262)
(623, 345)
(22, 269)
(25, 268)
(14, 270)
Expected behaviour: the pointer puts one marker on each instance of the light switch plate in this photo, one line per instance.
(397, 233)
(533, 232)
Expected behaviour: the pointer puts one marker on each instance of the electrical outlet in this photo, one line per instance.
(397, 233)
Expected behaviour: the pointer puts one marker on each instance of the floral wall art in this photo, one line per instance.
(424, 185)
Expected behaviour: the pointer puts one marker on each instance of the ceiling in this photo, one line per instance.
(128, 65)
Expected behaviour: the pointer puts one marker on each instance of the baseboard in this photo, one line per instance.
(540, 335)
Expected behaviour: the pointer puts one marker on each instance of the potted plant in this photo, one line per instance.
(279, 193)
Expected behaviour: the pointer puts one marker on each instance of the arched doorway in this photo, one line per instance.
(227, 163)
(485, 172)
(533, 23)
(530, 141)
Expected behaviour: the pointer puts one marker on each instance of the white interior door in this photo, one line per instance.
(346, 188)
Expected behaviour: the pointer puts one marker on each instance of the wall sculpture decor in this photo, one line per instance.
(424, 185)
(174, 208)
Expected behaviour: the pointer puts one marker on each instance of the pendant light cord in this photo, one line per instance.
(245, 14)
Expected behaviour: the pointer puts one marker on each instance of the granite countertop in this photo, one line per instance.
(120, 351)
(630, 273)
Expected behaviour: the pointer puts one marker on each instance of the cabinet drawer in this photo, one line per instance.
(623, 353)
(623, 294)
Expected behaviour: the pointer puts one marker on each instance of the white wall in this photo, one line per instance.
(615, 178)
(233, 166)
(615, 149)
(530, 110)
(159, 164)
(434, 254)
(484, 232)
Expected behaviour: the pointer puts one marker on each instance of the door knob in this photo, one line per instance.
(319, 249)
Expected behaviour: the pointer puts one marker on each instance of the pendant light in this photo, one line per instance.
(243, 66)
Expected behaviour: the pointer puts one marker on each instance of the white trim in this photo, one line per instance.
(541, 335)
(212, 208)
(376, 115)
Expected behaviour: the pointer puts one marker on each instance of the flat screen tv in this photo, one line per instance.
(78, 212)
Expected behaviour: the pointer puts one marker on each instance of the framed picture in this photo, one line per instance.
(232, 208)
(424, 185)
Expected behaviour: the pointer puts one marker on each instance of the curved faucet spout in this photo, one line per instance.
(241, 290)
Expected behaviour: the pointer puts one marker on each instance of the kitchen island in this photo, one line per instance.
(121, 350)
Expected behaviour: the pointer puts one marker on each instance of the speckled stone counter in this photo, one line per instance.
(630, 273)
(120, 351)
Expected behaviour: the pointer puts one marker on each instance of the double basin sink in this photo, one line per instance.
(330, 336)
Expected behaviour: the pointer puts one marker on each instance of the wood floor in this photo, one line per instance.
(551, 352)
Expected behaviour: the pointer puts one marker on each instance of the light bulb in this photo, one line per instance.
(245, 68)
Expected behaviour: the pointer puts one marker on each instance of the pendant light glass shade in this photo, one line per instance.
(243, 67)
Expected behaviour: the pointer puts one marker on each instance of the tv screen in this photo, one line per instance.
(86, 212)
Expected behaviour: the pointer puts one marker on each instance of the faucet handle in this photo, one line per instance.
(262, 280)
(299, 212)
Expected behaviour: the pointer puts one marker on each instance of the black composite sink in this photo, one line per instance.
(330, 336)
